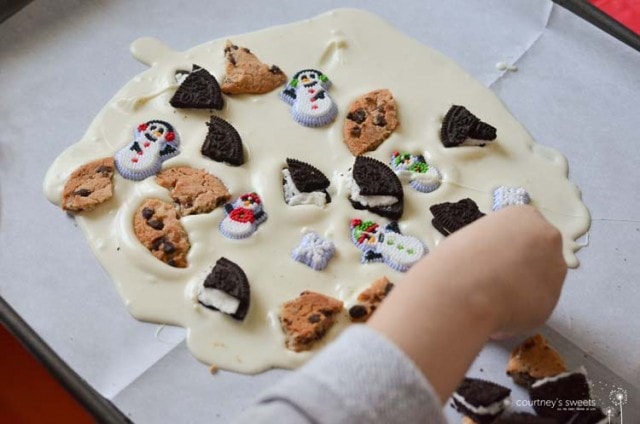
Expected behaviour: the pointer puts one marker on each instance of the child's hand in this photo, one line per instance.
(501, 274)
(517, 257)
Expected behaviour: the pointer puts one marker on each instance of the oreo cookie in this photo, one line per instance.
(375, 187)
(482, 401)
(571, 387)
(459, 125)
(450, 217)
(226, 289)
(198, 90)
(304, 184)
(223, 143)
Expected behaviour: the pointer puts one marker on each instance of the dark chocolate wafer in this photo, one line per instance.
(459, 124)
(223, 143)
(450, 217)
(199, 90)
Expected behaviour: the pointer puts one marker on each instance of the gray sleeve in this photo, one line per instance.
(360, 378)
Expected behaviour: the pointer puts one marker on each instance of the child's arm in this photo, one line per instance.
(501, 275)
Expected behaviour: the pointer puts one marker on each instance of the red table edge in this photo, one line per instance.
(95, 404)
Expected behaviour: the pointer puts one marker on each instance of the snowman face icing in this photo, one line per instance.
(309, 77)
(157, 130)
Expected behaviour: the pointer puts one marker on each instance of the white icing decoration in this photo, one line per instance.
(314, 251)
(507, 196)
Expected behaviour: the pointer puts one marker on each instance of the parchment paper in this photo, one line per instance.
(576, 89)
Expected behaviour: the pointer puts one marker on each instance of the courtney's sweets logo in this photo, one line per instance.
(559, 404)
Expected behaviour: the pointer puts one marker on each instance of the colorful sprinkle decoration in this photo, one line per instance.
(414, 168)
(310, 102)
(154, 142)
(314, 251)
(243, 216)
(386, 244)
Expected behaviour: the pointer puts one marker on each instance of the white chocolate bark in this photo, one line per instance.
(359, 53)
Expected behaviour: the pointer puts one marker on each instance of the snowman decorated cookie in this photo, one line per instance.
(154, 142)
(386, 244)
(307, 93)
(243, 216)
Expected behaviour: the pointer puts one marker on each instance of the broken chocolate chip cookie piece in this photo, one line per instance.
(158, 228)
(534, 359)
(370, 121)
(89, 186)
(246, 74)
(226, 289)
(307, 318)
(195, 191)
(370, 299)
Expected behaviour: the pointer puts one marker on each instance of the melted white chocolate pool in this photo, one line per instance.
(359, 53)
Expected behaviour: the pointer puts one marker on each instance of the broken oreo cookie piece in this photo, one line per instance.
(460, 125)
(304, 184)
(572, 387)
(482, 401)
(223, 143)
(450, 217)
(226, 289)
(375, 187)
(198, 90)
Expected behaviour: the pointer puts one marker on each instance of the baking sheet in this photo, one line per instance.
(575, 90)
